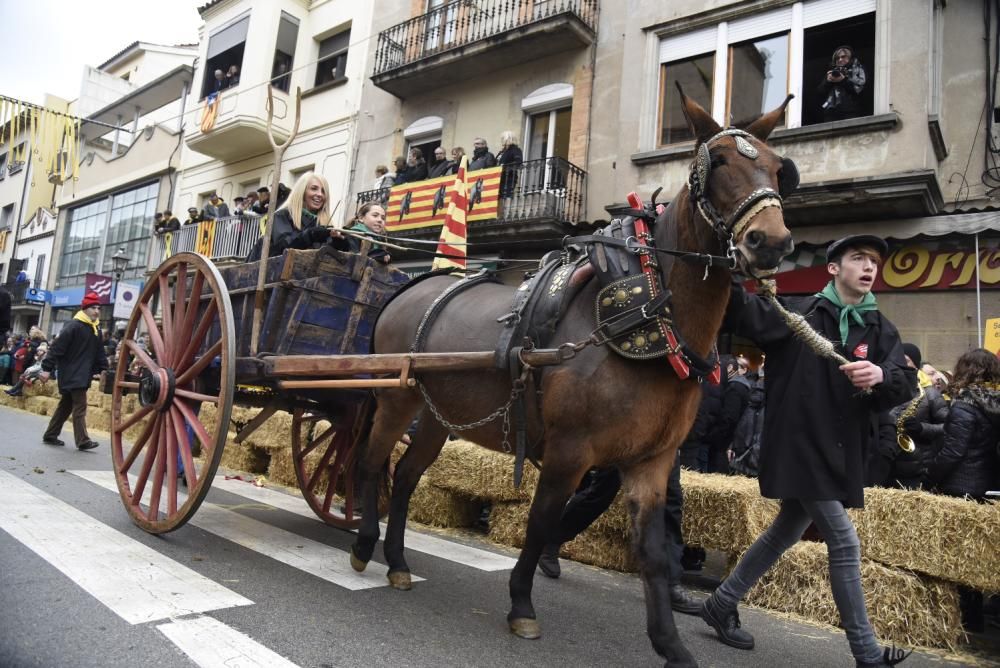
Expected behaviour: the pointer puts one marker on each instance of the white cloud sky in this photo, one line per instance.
(48, 42)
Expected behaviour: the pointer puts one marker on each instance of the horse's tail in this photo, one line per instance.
(362, 429)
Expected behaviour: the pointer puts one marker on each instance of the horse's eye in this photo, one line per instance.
(718, 161)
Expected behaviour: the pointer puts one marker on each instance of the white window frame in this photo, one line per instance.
(552, 99)
(791, 19)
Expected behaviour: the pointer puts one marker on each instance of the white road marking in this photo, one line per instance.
(135, 581)
(211, 644)
(323, 561)
(483, 560)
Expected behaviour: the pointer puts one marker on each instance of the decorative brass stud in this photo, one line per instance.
(637, 290)
(621, 296)
(607, 301)
(626, 346)
(640, 341)
(654, 337)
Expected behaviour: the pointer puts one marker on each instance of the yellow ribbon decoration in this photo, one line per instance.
(168, 242)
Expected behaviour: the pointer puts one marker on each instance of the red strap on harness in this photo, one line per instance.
(649, 268)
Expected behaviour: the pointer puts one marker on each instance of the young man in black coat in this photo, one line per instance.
(817, 424)
(78, 353)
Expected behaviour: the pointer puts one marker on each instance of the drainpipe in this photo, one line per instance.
(979, 299)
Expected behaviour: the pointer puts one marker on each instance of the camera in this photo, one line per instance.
(841, 70)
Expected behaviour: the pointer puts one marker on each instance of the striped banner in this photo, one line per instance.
(206, 238)
(425, 203)
(453, 235)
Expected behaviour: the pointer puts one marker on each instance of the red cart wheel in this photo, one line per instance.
(186, 312)
(324, 465)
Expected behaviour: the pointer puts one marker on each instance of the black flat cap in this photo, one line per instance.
(837, 248)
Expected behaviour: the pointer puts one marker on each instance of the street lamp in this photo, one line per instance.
(119, 262)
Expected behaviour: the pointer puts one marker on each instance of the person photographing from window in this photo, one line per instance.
(842, 86)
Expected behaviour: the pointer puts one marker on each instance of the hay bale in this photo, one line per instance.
(941, 536)
(441, 508)
(94, 396)
(245, 457)
(40, 405)
(904, 608)
(507, 522)
(98, 420)
(724, 512)
(478, 473)
(275, 433)
(281, 469)
(39, 389)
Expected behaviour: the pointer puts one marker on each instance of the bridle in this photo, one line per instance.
(731, 227)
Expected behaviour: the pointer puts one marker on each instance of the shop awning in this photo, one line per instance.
(904, 228)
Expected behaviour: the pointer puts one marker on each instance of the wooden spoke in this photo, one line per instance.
(321, 467)
(192, 371)
(316, 442)
(189, 315)
(188, 394)
(167, 317)
(147, 465)
(171, 465)
(196, 339)
(155, 338)
(328, 498)
(180, 307)
(193, 422)
(140, 354)
(138, 415)
(156, 488)
(190, 474)
(139, 443)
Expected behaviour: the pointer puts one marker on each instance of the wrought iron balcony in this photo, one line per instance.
(469, 38)
(229, 238)
(537, 198)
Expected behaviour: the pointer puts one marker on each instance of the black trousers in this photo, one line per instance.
(595, 495)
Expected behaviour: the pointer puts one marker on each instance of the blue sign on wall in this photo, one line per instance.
(36, 296)
(67, 297)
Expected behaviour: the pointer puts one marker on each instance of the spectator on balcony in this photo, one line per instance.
(216, 208)
(481, 156)
(194, 217)
(170, 222)
(400, 164)
(233, 76)
(509, 157)
(158, 223)
(239, 206)
(303, 221)
(416, 166)
(283, 193)
(249, 200)
(263, 201)
(457, 154)
(439, 165)
(383, 178)
(842, 86)
(220, 81)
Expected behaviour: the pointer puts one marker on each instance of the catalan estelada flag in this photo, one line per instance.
(206, 238)
(451, 243)
(425, 203)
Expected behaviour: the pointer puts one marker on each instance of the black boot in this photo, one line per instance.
(548, 563)
(726, 623)
(890, 657)
(682, 601)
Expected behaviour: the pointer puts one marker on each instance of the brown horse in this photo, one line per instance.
(598, 409)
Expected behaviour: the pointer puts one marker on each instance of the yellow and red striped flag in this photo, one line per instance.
(452, 240)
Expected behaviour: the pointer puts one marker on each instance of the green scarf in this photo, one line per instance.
(848, 311)
(82, 317)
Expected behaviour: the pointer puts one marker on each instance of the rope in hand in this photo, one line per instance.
(818, 343)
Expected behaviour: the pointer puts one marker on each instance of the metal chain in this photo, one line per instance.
(503, 412)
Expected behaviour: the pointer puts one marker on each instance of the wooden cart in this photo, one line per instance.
(172, 396)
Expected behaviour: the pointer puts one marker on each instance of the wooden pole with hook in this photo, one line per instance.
(279, 152)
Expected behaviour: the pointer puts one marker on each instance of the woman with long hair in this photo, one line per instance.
(303, 220)
(509, 157)
(968, 463)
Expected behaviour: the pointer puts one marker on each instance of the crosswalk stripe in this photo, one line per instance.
(211, 644)
(315, 558)
(135, 581)
(483, 560)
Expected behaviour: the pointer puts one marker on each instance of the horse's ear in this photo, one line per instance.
(763, 126)
(699, 121)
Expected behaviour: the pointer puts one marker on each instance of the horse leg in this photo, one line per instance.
(557, 482)
(425, 448)
(394, 413)
(645, 488)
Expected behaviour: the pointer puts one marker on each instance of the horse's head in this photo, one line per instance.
(737, 184)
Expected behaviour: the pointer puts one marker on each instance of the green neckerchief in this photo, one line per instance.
(82, 317)
(306, 214)
(848, 311)
(358, 226)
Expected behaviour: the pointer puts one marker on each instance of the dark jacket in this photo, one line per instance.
(4, 312)
(284, 235)
(926, 428)
(967, 463)
(817, 425)
(481, 159)
(77, 354)
(735, 397)
(440, 168)
(749, 433)
(509, 158)
(694, 449)
(412, 173)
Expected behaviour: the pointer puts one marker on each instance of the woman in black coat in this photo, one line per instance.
(967, 463)
(303, 221)
(509, 157)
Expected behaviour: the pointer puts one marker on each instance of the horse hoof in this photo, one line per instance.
(357, 564)
(526, 628)
(400, 580)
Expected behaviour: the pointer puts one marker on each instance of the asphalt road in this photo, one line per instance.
(253, 581)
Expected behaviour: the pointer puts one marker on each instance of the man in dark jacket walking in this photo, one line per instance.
(816, 430)
(78, 353)
(4, 312)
